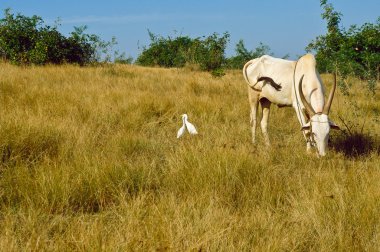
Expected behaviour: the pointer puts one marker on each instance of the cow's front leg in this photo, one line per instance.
(308, 147)
(265, 105)
(309, 144)
(306, 134)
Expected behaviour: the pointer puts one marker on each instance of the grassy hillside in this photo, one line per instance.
(90, 161)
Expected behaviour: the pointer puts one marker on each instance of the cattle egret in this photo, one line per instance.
(307, 96)
(181, 131)
(186, 125)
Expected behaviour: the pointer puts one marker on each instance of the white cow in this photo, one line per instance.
(279, 81)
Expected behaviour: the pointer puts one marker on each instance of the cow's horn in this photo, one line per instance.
(308, 107)
(326, 108)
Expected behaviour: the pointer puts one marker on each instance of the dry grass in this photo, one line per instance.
(90, 161)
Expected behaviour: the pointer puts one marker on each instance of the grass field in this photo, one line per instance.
(90, 161)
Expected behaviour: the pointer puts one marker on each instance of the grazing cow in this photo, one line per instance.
(273, 80)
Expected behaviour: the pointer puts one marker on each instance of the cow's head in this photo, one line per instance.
(319, 125)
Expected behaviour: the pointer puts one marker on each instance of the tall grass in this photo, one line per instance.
(89, 160)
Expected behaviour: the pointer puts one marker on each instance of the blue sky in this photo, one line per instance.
(286, 26)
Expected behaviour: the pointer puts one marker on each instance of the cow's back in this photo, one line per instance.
(280, 70)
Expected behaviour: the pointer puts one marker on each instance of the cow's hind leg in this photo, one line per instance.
(265, 105)
(253, 97)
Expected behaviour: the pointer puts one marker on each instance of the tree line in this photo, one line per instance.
(27, 40)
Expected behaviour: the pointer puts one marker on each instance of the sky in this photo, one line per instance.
(286, 26)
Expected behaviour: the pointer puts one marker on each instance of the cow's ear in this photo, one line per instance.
(333, 125)
(306, 126)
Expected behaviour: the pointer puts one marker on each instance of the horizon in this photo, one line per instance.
(129, 22)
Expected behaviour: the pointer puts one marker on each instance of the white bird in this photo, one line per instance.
(186, 124)
(181, 130)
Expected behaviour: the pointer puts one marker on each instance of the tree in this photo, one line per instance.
(355, 51)
(208, 52)
(243, 55)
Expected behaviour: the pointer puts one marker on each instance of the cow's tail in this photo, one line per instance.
(245, 71)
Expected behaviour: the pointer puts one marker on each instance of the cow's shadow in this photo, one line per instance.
(354, 145)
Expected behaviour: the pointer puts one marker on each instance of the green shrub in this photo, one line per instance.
(243, 55)
(350, 52)
(208, 53)
(26, 40)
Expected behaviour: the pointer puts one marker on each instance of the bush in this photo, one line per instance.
(208, 53)
(122, 58)
(243, 55)
(165, 52)
(26, 40)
